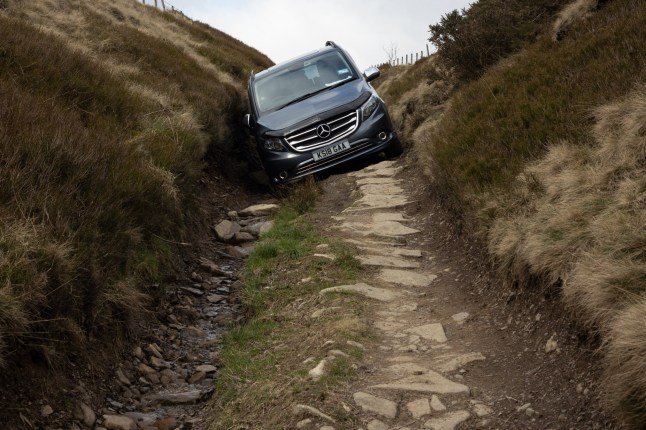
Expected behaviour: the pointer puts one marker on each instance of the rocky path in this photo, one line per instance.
(417, 380)
(433, 365)
(446, 350)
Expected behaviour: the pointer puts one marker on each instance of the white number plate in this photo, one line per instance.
(329, 150)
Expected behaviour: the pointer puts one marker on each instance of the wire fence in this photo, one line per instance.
(412, 58)
(161, 4)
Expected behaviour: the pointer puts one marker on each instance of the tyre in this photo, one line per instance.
(395, 149)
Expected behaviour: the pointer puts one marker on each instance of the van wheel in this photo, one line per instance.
(395, 149)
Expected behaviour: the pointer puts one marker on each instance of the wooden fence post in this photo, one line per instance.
(163, 6)
(428, 53)
(155, 3)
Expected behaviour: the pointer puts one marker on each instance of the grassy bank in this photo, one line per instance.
(543, 158)
(265, 361)
(110, 111)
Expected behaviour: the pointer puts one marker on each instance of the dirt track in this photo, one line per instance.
(455, 349)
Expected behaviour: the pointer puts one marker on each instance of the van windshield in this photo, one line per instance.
(301, 79)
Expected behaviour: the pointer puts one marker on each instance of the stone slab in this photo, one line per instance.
(388, 249)
(380, 228)
(388, 216)
(365, 290)
(434, 332)
(259, 210)
(452, 363)
(407, 277)
(387, 261)
(382, 171)
(419, 408)
(377, 425)
(436, 404)
(429, 382)
(448, 421)
(378, 201)
(381, 189)
(370, 403)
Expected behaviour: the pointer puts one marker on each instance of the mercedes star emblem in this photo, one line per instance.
(323, 131)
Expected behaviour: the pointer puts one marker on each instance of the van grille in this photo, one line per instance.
(307, 138)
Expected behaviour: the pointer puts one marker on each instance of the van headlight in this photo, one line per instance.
(369, 107)
(273, 144)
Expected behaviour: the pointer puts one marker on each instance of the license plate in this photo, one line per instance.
(330, 150)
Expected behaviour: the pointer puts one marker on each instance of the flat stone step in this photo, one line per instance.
(434, 332)
(365, 290)
(376, 201)
(379, 228)
(387, 261)
(407, 277)
(375, 172)
(370, 403)
(383, 189)
(451, 362)
(429, 382)
(448, 421)
(393, 250)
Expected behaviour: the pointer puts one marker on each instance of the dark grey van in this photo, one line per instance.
(315, 112)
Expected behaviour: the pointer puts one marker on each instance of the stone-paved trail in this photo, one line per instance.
(416, 379)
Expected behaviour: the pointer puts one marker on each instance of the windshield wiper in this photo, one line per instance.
(303, 97)
(313, 93)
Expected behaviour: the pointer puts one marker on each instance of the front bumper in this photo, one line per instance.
(288, 166)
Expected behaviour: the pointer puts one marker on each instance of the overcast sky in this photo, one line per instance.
(283, 29)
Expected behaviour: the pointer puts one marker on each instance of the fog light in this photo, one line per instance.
(283, 175)
(382, 135)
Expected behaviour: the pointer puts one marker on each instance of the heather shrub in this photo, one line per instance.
(473, 39)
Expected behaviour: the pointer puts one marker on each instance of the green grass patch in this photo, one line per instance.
(263, 362)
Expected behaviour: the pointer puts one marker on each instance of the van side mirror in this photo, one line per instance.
(371, 73)
(248, 121)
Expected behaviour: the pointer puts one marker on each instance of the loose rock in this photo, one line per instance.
(226, 230)
(119, 422)
(176, 398)
(259, 210)
(303, 423)
(300, 409)
(448, 421)
(551, 345)
(318, 371)
(377, 425)
(419, 408)
(437, 404)
(380, 406)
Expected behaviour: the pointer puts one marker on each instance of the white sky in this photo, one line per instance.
(283, 29)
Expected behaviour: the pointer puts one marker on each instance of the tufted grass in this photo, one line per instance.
(109, 116)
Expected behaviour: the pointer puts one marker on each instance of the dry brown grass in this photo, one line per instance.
(580, 220)
(559, 202)
(110, 111)
(416, 95)
(625, 378)
(575, 11)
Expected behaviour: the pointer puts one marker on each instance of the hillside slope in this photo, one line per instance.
(110, 110)
(543, 158)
